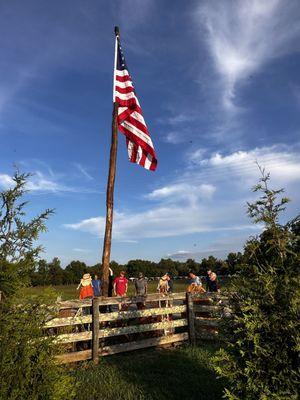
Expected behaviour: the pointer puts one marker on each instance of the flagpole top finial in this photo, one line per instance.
(117, 31)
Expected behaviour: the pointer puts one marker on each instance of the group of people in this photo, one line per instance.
(91, 286)
(211, 280)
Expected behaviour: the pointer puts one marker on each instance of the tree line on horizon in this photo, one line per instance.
(51, 273)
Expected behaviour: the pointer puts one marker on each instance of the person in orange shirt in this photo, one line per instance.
(86, 288)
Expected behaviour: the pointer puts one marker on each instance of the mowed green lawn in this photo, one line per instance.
(68, 292)
(185, 372)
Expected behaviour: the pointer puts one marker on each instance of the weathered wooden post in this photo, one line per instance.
(191, 318)
(95, 330)
(110, 183)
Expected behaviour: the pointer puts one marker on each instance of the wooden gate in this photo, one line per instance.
(89, 329)
(113, 325)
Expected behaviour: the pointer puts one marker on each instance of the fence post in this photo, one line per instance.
(190, 317)
(95, 330)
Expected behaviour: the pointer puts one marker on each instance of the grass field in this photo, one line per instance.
(68, 292)
(155, 374)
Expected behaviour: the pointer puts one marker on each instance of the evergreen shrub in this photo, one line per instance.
(261, 355)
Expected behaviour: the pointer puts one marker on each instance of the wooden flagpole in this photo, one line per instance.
(110, 186)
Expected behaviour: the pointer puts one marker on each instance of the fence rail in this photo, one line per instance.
(90, 329)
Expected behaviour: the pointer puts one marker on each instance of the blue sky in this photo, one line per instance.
(219, 86)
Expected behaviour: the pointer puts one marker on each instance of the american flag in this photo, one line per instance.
(130, 117)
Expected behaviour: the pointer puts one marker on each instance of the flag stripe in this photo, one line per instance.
(122, 78)
(126, 96)
(137, 132)
(138, 124)
(127, 89)
(124, 84)
(137, 140)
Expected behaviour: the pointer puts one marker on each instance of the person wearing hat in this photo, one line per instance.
(86, 288)
(163, 285)
(141, 289)
(141, 285)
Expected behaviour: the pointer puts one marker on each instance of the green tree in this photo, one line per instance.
(56, 272)
(43, 273)
(76, 270)
(192, 265)
(208, 263)
(222, 267)
(233, 261)
(261, 356)
(18, 252)
(116, 268)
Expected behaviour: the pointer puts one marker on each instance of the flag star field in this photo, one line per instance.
(211, 89)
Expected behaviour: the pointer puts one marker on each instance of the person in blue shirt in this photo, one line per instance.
(194, 279)
(96, 286)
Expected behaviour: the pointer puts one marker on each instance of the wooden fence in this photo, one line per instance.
(89, 329)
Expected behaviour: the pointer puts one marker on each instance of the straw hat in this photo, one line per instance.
(86, 280)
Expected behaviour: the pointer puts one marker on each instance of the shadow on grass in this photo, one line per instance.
(159, 374)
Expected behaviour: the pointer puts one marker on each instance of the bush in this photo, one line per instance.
(260, 358)
(18, 252)
(28, 369)
(27, 363)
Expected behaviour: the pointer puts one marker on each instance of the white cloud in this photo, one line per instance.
(183, 191)
(175, 137)
(283, 163)
(219, 248)
(6, 181)
(167, 221)
(216, 204)
(242, 36)
(79, 250)
(83, 171)
(40, 182)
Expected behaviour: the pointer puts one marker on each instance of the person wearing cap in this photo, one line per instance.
(141, 289)
(86, 288)
(141, 285)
